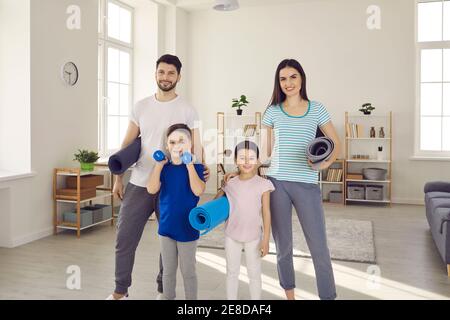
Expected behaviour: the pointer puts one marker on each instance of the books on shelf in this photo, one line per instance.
(334, 175)
(249, 130)
(354, 130)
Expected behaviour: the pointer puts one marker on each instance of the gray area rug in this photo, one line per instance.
(348, 240)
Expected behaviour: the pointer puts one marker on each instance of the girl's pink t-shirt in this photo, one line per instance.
(244, 223)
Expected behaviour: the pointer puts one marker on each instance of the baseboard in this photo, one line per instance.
(408, 201)
(19, 241)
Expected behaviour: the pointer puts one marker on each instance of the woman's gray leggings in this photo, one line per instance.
(307, 200)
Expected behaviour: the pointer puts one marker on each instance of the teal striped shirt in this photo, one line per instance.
(292, 135)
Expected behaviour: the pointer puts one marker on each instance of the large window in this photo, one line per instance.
(433, 83)
(115, 73)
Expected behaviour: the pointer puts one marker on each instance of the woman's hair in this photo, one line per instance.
(247, 145)
(170, 59)
(278, 95)
(178, 126)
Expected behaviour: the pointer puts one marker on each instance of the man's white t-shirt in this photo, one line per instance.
(153, 119)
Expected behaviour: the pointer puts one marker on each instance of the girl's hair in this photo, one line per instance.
(178, 126)
(278, 95)
(247, 145)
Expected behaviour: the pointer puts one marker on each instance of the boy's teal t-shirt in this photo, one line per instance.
(176, 200)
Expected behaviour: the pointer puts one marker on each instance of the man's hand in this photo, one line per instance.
(118, 188)
(228, 176)
(206, 172)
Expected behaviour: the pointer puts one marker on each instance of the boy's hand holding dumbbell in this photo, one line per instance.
(160, 158)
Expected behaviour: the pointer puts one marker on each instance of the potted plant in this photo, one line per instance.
(242, 102)
(86, 159)
(367, 108)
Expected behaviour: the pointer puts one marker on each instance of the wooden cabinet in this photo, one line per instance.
(78, 189)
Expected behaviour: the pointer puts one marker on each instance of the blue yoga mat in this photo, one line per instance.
(319, 150)
(120, 161)
(209, 215)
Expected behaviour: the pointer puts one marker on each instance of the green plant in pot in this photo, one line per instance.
(367, 108)
(86, 159)
(242, 102)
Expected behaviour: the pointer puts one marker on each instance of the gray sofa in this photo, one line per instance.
(437, 203)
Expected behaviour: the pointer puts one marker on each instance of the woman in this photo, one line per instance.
(293, 119)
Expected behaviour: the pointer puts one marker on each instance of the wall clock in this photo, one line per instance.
(69, 73)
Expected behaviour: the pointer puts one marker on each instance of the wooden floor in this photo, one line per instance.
(408, 264)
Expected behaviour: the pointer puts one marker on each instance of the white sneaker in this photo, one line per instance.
(111, 297)
(160, 296)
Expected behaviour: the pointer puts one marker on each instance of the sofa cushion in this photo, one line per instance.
(432, 205)
(435, 194)
(439, 203)
(440, 217)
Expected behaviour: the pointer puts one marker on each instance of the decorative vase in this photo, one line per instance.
(379, 155)
(239, 112)
(381, 133)
(87, 166)
(372, 132)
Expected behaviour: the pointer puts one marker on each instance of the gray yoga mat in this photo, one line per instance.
(120, 161)
(319, 150)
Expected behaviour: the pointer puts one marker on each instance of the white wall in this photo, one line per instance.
(173, 31)
(145, 47)
(237, 52)
(63, 118)
(15, 86)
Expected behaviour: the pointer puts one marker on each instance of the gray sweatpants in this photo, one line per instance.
(137, 206)
(307, 200)
(171, 251)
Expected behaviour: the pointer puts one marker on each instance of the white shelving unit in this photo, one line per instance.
(232, 129)
(327, 186)
(363, 144)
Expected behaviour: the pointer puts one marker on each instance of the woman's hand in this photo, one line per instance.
(264, 247)
(324, 165)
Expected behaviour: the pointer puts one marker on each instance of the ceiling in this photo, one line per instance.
(195, 5)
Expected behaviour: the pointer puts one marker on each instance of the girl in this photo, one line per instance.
(246, 193)
(181, 185)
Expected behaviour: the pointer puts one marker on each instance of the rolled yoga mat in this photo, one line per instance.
(209, 215)
(319, 150)
(119, 162)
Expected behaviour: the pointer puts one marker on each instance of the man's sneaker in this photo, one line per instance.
(160, 296)
(111, 297)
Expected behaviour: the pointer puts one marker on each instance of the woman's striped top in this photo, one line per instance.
(292, 135)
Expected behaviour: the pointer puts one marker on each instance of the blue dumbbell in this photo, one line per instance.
(158, 155)
(186, 157)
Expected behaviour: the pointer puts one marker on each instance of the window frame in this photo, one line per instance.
(419, 46)
(105, 42)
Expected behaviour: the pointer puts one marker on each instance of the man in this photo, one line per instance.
(149, 118)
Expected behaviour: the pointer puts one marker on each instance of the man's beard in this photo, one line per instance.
(167, 89)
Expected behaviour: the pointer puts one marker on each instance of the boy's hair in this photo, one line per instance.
(170, 59)
(178, 126)
(247, 145)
